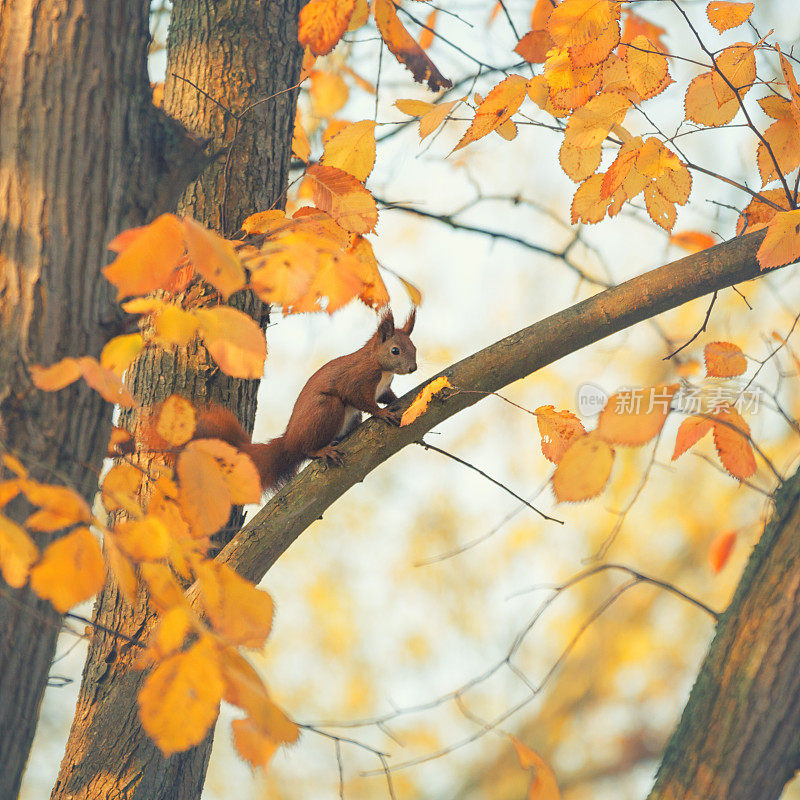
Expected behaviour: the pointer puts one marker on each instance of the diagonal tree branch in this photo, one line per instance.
(303, 500)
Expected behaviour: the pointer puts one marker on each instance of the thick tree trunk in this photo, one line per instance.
(738, 736)
(237, 52)
(83, 154)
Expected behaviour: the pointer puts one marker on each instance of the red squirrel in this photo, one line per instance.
(328, 407)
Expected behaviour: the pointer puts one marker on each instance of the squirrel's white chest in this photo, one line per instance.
(384, 383)
(352, 416)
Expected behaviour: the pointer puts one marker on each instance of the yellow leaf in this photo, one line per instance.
(352, 150)
(59, 506)
(150, 259)
(693, 241)
(500, 105)
(8, 491)
(122, 570)
(738, 64)
(436, 116)
(635, 416)
(588, 204)
(557, 429)
(584, 469)
(239, 611)
(145, 539)
(661, 210)
(414, 294)
(204, 495)
(322, 23)
(72, 569)
(414, 108)
(264, 222)
(589, 125)
(579, 163)
(213, 258)
(13, 464)
(373, 292)
(106, 383)
(648, 69)
(17, 553)
(328, 93)
(174, 325)
(251, 743)
(702, 105)
(179, 700)
(420, 403)
(121, 487)
(757, 214)
(781, 245)
(56, 376)
(343, 197)
(575, 22)
(120, 351)
(725, 15)
(173, 627)
(234, 340)
(176, 420)
(162, 588)
(300, 149)
(724, 360)
(405, 49)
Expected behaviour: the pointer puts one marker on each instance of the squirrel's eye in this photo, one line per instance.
(395, 351)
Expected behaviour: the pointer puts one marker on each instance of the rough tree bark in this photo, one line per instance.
(83, 154)
(235, 53)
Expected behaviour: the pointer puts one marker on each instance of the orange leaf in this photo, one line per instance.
(724, 360)
(720, 550)
(725, 15)
(781, 245)
(72, 569)
(300, 149)
(145, 539)
(579, 163)
(17, 553)
(176, 420)
(251, 743)
(148, 262)
(636, 416)
(214, 258)
(121, 487)
(588, 204)
(647, 69)
(13, 464)
(543, 784)
(660, 209)
(436, 116)
(589, 125)
(328, 93)
(702, 105)
(8, 491)
(322, 23)
(180, 698)
(352, 150)
(173, 628)
(122, 570)
(238, 610)
(732, 440)
(638, 26)
(583, 470)
(420, 403)
(426, 35)
(238, 470)
(234, 341)
(59, 506)
(204, 495)
(690, 432)
(120, 351)
(343, 197)
(557, 429)
(500, 105)
(373, 292)
(56, 376)
(693, 241)
(534, 45)
(264, 222)
(405, 49)
(105, 382)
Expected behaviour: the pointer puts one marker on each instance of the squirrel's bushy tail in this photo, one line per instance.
(275, 464)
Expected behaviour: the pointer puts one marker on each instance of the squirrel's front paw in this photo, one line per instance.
(329, 455)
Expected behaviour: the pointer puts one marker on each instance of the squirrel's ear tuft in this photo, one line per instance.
(386, 326)
(409, 326)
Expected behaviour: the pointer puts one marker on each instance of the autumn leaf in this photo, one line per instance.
(692, 241)
(702, 106)
(145, 539)
(635, 416)
(180, 698)
(118, 353)
(534, 45)
(781, 245)
(589, 125)
(264, 221)
(343, 197)
(17, 553)
(420, 403)
(238, 470)
(352, 150)
(588, 204)
(214, 258)
(204, 494)
(173, 325)
(72, 569)
(732, 440)
(59, 506)
(720, 549)
(252, 743)
(726, 15)
(648, 69)
(543, 784)
(500, 105)
(170, 634)
(575, 22)
(322, 24)
(431, 115)
(373, 292)
(13, 464)
(105, 382)
(724, 360)
(579, 163)
(690, 432)
(300, 149)
(56, 376)
(429, 28)
(557, 429)
(405, 49)
(638, 26)
(238, 610)
(121, 569)
(328, 93)
(583, 470)
(148, 261)
(120, 488)
(176, 420)
(234, 341)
